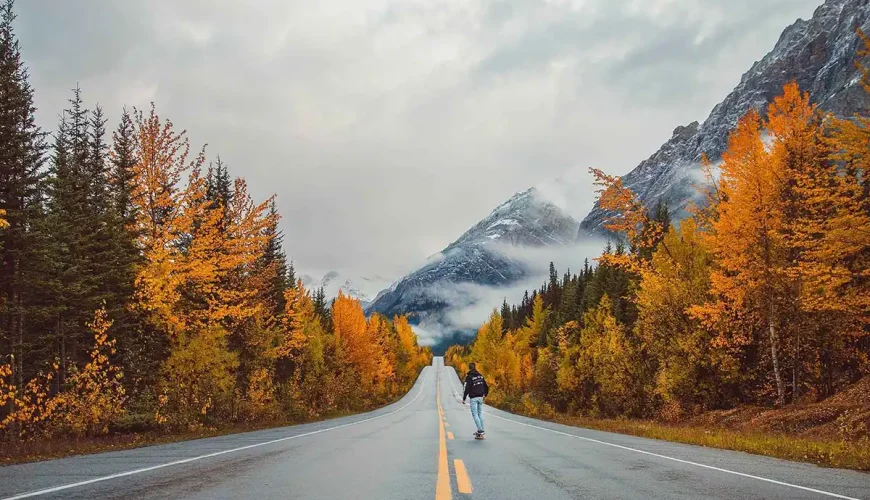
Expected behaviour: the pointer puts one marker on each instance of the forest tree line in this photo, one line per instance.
(143, 287)
(761, 296)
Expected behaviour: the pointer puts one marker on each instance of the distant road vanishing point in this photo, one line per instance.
(422, 447)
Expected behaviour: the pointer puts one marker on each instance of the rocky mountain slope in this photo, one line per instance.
(525, 220)
(818, 53)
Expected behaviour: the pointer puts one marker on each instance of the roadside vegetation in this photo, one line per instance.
(145, 295)
(757, 302)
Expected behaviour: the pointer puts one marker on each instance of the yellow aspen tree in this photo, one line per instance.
(355, 348)
(749, 282)
(96, 396)
(525, 337)
(836, 251)
(378, 332)
(34, 410)
(691, 374)
(301, 353)
(159, 199)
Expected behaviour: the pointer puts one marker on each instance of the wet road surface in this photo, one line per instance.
(422, 447)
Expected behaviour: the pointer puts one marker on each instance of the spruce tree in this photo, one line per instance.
(71, 225)
(219, 189)
(567, 310)
(118, 171)
(274, 263)
(123, 161)
(507, 319)
(21, 154)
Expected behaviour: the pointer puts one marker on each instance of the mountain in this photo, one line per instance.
(477, 258)
(362, 287)
(819, 54)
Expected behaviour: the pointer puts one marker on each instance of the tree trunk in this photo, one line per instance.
(61, 334)
(796, 368)
(18, 351)
(780, 391)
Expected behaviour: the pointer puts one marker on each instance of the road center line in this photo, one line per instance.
(687, 462)
(442, 486)
(463, 483)
(55, 489)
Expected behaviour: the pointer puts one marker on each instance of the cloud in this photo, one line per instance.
(573, 192)
(471, 304)
(388, 127)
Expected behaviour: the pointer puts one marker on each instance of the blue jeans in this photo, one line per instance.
(477, 412)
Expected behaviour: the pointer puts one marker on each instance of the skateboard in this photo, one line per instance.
(479, 436)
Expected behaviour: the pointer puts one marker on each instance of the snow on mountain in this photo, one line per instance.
(456, 277)
(358, 287)
(819, 54)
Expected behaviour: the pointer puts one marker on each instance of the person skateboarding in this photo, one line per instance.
(476, 389)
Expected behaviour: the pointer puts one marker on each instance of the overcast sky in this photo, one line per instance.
(388, 127)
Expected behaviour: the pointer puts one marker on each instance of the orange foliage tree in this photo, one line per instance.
(751, 288)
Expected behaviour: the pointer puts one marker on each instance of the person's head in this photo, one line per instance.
(472, 366)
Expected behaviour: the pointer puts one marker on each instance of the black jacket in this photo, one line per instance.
(475, 385)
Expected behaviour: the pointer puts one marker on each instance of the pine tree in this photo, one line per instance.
(21, 157)
(274, 264)
(219, 187)
(88, 230)
(551, 293)
(136, 341)
(123, 175)
(507, 322)
(567, 309)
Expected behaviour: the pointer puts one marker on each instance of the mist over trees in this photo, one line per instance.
(760, 297)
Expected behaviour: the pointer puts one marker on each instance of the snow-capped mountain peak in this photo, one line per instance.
(477, 258)
(358, 287)
(526, 219)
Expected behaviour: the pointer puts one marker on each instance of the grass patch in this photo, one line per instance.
(838, 453)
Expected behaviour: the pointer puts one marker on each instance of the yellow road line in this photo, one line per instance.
(463, 483)
(450, 435)
(442, 486)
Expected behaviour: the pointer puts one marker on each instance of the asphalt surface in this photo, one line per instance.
(403, 451)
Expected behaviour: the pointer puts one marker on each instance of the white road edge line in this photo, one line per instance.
(200, 457)
(774, 481)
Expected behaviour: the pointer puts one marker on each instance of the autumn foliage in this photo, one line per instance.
(228, 334)
(93, 398)
(142, 288)
(761, 297)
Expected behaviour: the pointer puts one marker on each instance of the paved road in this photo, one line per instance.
(404, 452)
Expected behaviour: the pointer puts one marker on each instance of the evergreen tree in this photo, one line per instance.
(123, 160)
(567, 310)
(274, 264)
(551, 294)
(507, 321)
(135, 341)
(219, 187)
(72, 226)
(21, 157)
(291, 275)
